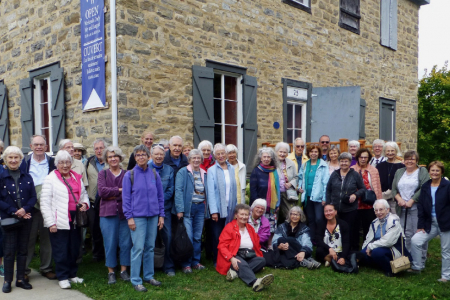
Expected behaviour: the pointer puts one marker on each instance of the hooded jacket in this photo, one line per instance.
(338, 192)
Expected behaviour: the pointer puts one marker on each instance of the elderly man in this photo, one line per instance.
(324, 142)
(77, 165)
(298, 156)
(174, 157)
(94, 165)
(377, 149)
(39, 165)
(353, 147)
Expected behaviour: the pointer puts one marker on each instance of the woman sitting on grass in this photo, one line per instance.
(259, 222)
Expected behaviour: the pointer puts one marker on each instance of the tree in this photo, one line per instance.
(434, 116)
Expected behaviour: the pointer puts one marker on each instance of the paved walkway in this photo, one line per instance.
(42, 289)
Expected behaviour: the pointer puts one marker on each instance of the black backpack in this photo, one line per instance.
(181, 249)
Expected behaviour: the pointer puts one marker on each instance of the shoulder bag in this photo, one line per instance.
(369, 197)
(9, 224)
(81, 218)
(400, 264)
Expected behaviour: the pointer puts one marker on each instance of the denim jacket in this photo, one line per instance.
(213, 194)
(319, 189)
(184, 190)
(168, 183)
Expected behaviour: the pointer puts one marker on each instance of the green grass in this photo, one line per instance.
(289, 284)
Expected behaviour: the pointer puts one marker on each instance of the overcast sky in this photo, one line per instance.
(434, 35)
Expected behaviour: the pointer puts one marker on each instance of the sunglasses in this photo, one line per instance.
(158, 145)
(325, 142)
(299, 146)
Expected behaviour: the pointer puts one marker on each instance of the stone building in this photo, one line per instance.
(235, 71)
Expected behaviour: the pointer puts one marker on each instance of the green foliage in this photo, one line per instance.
(434, 116)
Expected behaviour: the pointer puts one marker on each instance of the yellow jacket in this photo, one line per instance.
(294, 159)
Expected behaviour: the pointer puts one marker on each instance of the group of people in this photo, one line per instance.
(298, 200)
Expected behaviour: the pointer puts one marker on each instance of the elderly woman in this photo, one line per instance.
(377, 148)
(259, 222)
(288, 176)
(221, 194)
(77, 165)
(143, 207)
(387, 170)
(344, 187)
(147, 139)
(17, 199)
(433, 211)
(113, 224)
(332, 159)
(406, 189)
(384, 241)
(293, 241)
(62, 192)
(240, 172)
(312, 181)
(353, 147)
(187, 147)
(239, 251)
(190, 204)
(371, 181)
(208, 159)
(264, 184)
(168, 183)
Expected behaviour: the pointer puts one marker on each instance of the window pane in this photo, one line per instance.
(217, 86)
(289, 116)
(289, 136)
(231, 112)
(217, 134)
(298, 134)
(45, 118)
(298, 116)
(231, 135)
(230, 88)
(217, 111)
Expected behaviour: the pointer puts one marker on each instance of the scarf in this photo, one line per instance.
(238, 184)
(208, 163)
(158, 169)
(307, 170)
(220, 175)
(273, 185)
(382, 221)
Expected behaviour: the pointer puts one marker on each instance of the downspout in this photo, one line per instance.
(112, 23)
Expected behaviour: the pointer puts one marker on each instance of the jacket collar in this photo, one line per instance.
(202, 172)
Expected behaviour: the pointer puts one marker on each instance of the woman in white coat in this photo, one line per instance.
(62, 191)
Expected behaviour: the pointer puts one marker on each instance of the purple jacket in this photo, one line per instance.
(108, 190)
(263, 232)
(146, 197)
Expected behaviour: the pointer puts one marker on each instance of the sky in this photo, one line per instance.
(434, 35)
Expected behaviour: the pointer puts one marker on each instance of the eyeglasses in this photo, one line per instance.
(325, 142)
(410, 159)
(64, 163)
(158, 145)
(140, 155)
(295, 214)
(379, 210)
(299, 146)
(364, 157)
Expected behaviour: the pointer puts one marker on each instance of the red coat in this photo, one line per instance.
(229, 242)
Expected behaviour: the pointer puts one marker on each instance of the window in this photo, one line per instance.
(389, 23)
(300, 4)
(42, 109)
(387, 119)
(296, 121)
(349, 16)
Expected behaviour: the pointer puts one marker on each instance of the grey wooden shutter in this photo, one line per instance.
(389, 23)
(203, 103)
(349, 16)
(250, 125)
(58, 111)
(362, 119)
(4, 120)
(26, 114)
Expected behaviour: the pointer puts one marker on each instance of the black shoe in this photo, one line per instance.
(6, 287)
(23, 284)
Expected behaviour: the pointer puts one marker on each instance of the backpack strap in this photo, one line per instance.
(132, 176)
(154, 173)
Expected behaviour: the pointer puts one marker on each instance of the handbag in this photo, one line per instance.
(247, 253)
(292, 194)
(10, 224)
(350, 265)
(369, 197)
(400, 264)
(81, 217)
(181, 248)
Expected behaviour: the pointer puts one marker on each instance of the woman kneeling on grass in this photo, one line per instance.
(239, 252)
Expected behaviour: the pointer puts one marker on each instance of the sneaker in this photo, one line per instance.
(124, 275)
(171, 273)
(140, 288)
(442, 280)
(198, 267)
(64, 284)
(2, 271)
(315, 263)
(153, 282)
(307, 264)
(187, 270)
(261, 283)
(76, 280)
(231, 275)
(327, 264)
(111, 278)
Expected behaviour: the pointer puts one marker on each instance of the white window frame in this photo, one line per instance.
(240, 118)
(304, 106)
(307, 4)
(37, 113)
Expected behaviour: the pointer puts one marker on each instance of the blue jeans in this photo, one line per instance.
(314, 212)
(1, 243)
(143, 238)
(166, 234)
(380, 257)
(116, 233)
(194, 229)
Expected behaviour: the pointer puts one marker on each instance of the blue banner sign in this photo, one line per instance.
(92, 53)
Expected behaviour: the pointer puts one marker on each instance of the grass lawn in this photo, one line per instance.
(289, 284)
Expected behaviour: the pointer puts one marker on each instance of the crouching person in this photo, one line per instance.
(239, 253)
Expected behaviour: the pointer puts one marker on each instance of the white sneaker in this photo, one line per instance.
(261, 283)
(64, 284)
(231, 275)
(327, 263)
(76, 280)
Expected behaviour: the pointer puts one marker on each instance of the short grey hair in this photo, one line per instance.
(100, 140)
(282, 145)
(345, 155)
(232, 148)
(154, 146)
(163, 142)
(378, 142)
(12, 150)
(38, 135)
(298, 139)
(296, 209)
(205, 143)
(141, 148)
(392, 145)
(63, 142)
(175, 137)
(219, 146)
(117, 151)
(381, 201)
(265, 150)
(354, 143)
(63, 155)
(195, 152)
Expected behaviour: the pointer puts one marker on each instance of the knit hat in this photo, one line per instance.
(261, 202)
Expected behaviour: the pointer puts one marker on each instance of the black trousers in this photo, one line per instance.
(98, 251)
(351, 218)
(248, 268)
(15, 243)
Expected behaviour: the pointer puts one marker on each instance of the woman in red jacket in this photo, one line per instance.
(239, 253)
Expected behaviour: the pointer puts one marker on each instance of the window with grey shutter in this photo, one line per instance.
(4, 120)
(250, 120)
(349, 16)
(304, 5)
(387, 119)
(26, 113)
(388, 23)
(58, 111)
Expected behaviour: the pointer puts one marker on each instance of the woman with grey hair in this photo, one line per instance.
(208, 159)
(113, 224)
(377, 149)
(77, 165)
(17, 199)
(353, 147)
(344, 187)
(62, 192)
(240, 172)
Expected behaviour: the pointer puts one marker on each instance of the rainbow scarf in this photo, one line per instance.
(273, 185)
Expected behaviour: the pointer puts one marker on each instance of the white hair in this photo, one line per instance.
(282, 145)
(63, 142)
(195, 152)
(381, 201)
(392, 145)
(219, 146)
(378, 142)
(164, 142)
(116, 150)
(175, 137)
(12, 150)
(204, 144)
(63, 155)
(100, 140)
(298, 139)
(232, 148)
(354, 143)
